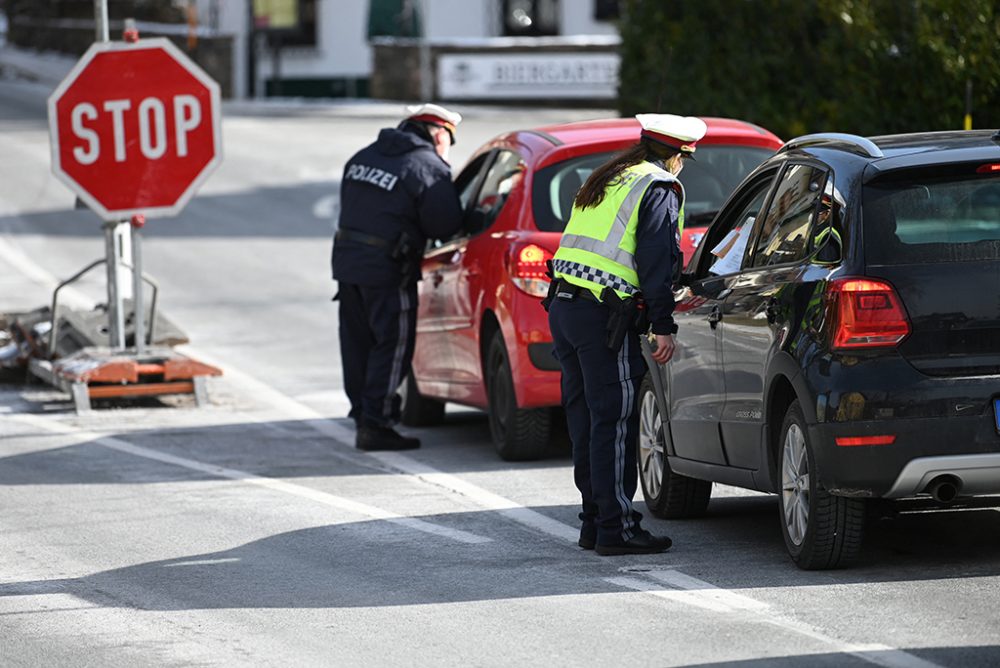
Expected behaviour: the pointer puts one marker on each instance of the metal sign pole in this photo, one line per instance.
(101, 20)
(118, 243)
(116, 319)
(138, 303)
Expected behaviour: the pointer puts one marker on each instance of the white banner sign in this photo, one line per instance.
(527, 76)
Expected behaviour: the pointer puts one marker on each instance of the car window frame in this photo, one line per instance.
(714, 234)
(487, 157)
(494, 159)
(810, 250)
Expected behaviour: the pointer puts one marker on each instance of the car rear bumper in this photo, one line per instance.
(971, 474)
(966, 448)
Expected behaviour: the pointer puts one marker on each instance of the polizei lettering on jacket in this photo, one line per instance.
(372, 175)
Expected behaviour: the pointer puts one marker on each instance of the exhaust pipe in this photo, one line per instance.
(944, 488)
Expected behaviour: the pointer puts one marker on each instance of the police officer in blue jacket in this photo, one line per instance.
(395, 195)
(612, 279)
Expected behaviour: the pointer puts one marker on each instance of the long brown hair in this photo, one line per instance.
(592, 192)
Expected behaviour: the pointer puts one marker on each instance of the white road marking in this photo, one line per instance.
(202, 562)
(684, 597)
(484, 498)
(698, 593)
(401, 464)
(301, 491)
(707, 591)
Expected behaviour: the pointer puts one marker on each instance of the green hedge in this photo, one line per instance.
(796, 66)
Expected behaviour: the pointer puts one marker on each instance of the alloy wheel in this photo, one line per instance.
(651, 445)
(795, 484)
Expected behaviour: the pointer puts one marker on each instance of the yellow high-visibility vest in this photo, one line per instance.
(597, 249)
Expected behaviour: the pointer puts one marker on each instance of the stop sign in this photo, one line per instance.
(135, 128)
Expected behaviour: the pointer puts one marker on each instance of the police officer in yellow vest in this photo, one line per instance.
(612, 278)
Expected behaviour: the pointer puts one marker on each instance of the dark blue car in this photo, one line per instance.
(839, 339)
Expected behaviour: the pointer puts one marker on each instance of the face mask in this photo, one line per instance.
(444, 147)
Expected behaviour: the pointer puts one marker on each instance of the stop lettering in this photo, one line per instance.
(135, 128)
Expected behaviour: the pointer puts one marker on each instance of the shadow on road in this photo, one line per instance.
(377, 563)
(736, 545)
(966, 657)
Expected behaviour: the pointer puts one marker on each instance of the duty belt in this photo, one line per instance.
(568, 291)
(362, 238)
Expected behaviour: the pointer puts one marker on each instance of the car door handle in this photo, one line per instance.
(714, 317)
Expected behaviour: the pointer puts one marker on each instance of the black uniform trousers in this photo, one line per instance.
(378, 326)
(600, 390)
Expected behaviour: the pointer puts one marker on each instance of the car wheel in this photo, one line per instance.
(518, 434)
(667, 494)
(417, 410)
(821, 530)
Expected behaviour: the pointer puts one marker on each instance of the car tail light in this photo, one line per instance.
(529, 270)
(989, 168)
(867, 313)
(846, 441)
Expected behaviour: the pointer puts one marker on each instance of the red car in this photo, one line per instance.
(482, 337)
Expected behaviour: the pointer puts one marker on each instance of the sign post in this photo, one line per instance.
(135, 129)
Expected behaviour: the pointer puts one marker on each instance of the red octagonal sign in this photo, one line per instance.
(135, 128)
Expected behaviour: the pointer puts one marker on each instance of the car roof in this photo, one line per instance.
(885, 153)
(720, 130)
(919, 142)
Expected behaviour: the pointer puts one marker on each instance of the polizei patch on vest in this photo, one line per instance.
(372, 175)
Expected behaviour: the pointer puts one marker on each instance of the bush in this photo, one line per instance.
(864, 66)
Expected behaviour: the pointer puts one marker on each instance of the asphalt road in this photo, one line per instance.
(250, 532)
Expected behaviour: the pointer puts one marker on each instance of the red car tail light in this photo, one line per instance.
(988, 168)
(847, 441)
(529, 270)
(867, 313)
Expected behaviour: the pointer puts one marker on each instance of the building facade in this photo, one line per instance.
(326, 48)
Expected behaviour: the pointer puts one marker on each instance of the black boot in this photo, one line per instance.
(588, 536)
(383, 438)
(642, 542)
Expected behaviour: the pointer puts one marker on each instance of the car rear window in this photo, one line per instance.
(708, 181)
(926, 218)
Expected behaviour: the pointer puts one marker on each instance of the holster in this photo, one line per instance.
(553, 287)
(624, 315)
(406, 253)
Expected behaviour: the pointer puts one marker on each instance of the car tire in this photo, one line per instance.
(667, 494)
(519, 434)
(417, 410)
(821, 531)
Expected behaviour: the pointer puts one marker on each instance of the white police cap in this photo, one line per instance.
(678, 132)
(436, 114)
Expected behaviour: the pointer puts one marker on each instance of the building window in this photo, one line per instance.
(530, 18)
(286, 22)
(394, 18)
(606, 10)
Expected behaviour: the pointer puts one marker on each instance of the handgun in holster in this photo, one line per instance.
(553, 286)
(405, 252)
(624, 315)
